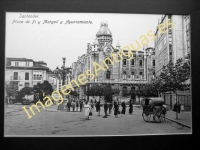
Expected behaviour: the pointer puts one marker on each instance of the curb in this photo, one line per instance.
(178, 122)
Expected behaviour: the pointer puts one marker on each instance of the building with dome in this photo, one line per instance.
(125, 75)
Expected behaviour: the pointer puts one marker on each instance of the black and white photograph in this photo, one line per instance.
(97, 74)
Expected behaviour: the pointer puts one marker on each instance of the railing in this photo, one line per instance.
(15, 78)
(118, 81)
(37, 78)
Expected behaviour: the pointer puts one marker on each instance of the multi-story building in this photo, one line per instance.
(25, 71)
(172, 45)
(124, 75)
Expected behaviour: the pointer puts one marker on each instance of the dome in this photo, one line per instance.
(104, 30)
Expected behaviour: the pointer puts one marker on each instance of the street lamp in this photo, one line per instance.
(64, 70)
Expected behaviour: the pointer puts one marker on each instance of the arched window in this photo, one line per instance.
(140, 62)
(140, 75)
(124, 62)
(132, 62)
(132, 75)
(108, 74)
(108, 61)
(124, 74)
(153, 62)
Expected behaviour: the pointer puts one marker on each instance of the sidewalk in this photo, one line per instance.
(183, 117)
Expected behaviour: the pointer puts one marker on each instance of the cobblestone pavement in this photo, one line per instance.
(53, 122)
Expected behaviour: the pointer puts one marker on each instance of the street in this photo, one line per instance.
(53, 122)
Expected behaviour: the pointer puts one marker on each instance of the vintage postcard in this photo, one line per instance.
(97, 74)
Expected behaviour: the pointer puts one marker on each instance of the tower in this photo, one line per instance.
(104, 36)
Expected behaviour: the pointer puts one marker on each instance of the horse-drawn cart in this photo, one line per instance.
(153, 106)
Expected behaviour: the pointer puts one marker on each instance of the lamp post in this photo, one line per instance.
(64, 70)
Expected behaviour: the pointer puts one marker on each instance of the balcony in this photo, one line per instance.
(37, 78)
(123, 79)
(15, 78)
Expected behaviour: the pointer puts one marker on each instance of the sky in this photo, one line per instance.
(51, 42)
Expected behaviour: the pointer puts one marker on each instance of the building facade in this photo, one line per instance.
(25, 71)
(172, 45)
(123, 75)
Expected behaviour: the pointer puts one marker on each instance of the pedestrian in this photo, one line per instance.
(77, 105)
(95, 101)
(81, 105)
(41, 97)
(178, 107)
(182, 108)
(87, 110)
(92, 105)
(119, 108)
(98, 107)
(123, 107)
(73, 105)
(110, 107)
(131, 107)
(105, 109)
(68, 105)
(116, 109)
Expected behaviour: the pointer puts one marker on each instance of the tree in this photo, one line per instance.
(26, 91)
(74, 93)
(102, 90)
(174, 76)
(149, 90)
(11, 88)
(46, 87)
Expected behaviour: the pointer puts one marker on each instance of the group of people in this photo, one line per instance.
(116, 106)
(123, 108)
(75, 105)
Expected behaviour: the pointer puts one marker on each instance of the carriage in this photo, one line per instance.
(155, 107)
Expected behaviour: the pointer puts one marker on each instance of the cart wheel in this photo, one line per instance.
(146, 117)
(162, 117)
(157, 116)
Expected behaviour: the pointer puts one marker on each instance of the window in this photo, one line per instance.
(124, 62)
(16, 63)
(140, 62)
(37, 76)
(132, 62)
(26, 84)
(153, 74)
(124, 74)
(27, 63)
(153, 62)
(108, 74)
(108, 61)
(140, 75)
(132, 75)
(26, 76)
(15, 76)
